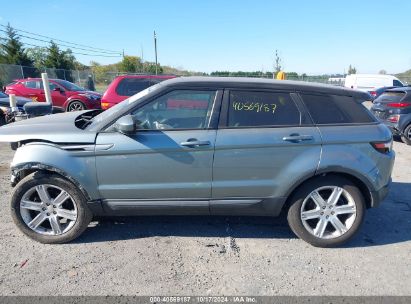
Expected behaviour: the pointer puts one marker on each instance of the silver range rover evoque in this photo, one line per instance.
(200, 146)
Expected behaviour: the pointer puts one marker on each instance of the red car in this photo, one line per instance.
(125, 86)
(63, 93)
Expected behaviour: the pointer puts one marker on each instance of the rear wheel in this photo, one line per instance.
(76, 105)
(49, 208)
(326, 211)
(406, 138)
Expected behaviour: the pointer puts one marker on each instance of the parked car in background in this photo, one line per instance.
(248, 147)
(124, 86)
(393, 108)
(5, 110)
(370, 82)
(377, 92)
(64, 94)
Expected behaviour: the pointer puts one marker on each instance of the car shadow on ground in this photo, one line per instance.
(388, 224)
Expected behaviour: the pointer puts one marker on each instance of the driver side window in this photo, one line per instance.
(180, 109)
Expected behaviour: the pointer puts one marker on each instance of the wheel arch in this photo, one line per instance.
(363, 185)
(19, 172)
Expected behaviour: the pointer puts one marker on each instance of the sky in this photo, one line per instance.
(312, 37)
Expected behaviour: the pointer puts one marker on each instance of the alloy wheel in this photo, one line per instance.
(48, 210)
(75, 106)
(328, 212)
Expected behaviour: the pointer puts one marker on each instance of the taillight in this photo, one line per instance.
(373, 94)
(399, 104)
(382, 147)
(393, 118)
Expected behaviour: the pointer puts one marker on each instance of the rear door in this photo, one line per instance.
(33, 90)
(265, 144)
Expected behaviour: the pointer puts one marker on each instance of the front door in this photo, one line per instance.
(167, 162)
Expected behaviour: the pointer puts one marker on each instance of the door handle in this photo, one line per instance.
(298, 138)
(191, 143)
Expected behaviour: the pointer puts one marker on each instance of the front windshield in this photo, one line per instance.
(125, 103)
(69, 85)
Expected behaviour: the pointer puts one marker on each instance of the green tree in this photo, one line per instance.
(12, 50)
(59, 59)
(38, 55)
(150, 67)
(131, 64)
(352, 70)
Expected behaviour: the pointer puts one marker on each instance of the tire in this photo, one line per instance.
(75, 105)
(2, 119)
(406, 138)
(332, 216)
(70, 217)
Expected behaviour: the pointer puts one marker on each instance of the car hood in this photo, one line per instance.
(57, 128)
(20, 101)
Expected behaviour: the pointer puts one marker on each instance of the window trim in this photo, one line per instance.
(211, 121)
(223, 122)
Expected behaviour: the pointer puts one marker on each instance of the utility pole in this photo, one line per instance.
(155, 48)
(123, 53)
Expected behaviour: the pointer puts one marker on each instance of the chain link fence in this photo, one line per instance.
(9, 72)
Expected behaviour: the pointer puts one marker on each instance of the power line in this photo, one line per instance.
(95, 55)
(36, 39)
(55, 39)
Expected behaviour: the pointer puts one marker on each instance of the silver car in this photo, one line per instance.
(201, 146)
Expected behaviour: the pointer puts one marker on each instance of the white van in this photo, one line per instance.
(369, 82)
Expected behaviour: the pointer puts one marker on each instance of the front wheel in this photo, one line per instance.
(49, 209)
(406, 137)
(76, 106)
(326, 211)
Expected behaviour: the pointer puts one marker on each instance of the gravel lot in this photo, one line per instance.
(212, 255)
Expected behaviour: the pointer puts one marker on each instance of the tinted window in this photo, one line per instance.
(334, 109)
(177, 110)
(254, 109)
(32, 84)
(397, 83)
(51, 85)
(131, 86)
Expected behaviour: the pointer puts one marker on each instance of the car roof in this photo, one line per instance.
(162, 76)
(260, 83)
(399, 89)
(37, 78)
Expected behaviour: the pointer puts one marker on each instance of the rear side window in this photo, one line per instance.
(391, 96)
(335, 109)
(256, 109)
(131, 86)
(32, 84)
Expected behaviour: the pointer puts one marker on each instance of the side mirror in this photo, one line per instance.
(125, 125)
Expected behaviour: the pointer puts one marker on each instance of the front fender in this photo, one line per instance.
(76, 165)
